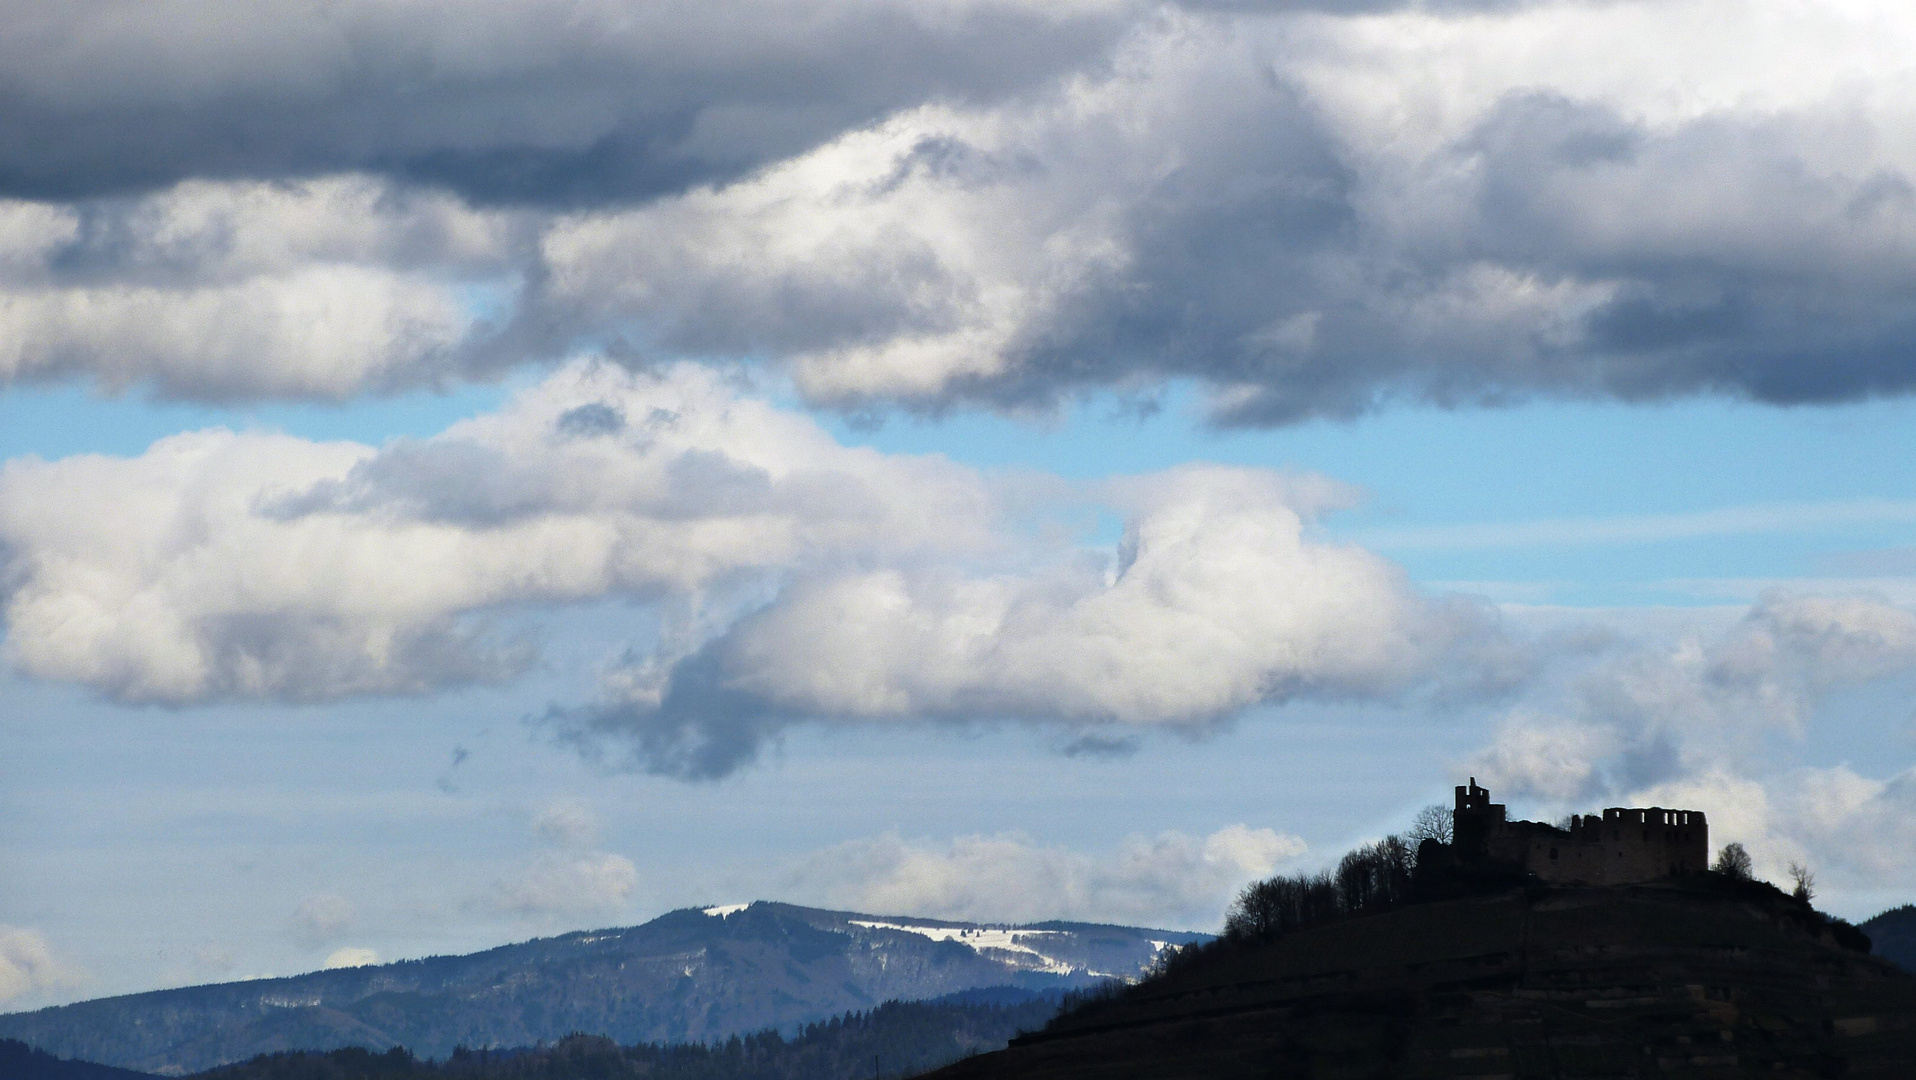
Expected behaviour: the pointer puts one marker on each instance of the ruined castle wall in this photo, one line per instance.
(1556, 856)
(1648, 844)
(1622, 847)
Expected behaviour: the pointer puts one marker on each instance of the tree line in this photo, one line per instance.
(895, 1039)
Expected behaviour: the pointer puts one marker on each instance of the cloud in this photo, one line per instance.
(322, 917)
(1308, 209)
(1545, 758)
(29, 968)
(1172, 878)
(1862, 829)
(1854, 831)
(1217, 601)
(567, 884)
(350, 957)
(1650, 714)
(1768, 671)
(1313, 216)
(323, 288)
(795, 578)
(1690, 724)
(567, 822)
(251, 565)
(569, 881)
(501, 101)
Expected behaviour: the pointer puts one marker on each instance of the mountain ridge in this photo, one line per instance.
(689, 975)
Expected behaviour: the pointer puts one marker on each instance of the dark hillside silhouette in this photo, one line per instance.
(18, 1061)
(1460, 959)
(897, 1039)
(1893, 936)
(1702, 977)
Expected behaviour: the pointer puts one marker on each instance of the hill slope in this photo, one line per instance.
(686, 976)
(18, 1061)
(896, 1039)
(1633, 981)
(1893, 936)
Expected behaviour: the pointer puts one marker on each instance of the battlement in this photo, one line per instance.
(1623, 845)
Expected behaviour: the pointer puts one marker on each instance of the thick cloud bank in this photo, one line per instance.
(1308, 209)
(521, 100)
(797, 578)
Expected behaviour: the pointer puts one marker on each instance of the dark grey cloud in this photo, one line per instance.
(541, 102)
(1781, 297)
(590, 420)
(703, 730)
(993, 203)
(1237, 232)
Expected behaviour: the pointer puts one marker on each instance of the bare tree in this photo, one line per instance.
(1433, 822)
(1805, 882)
(1734, 862)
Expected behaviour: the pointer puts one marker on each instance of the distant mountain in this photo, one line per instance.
(894, 1040)
(1892, 936)
(691, 975)
(18, 1061)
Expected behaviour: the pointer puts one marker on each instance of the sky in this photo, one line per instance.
(473, 471)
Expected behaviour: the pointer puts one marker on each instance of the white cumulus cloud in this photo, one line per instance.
(1217, 601)
(321, 288)
(798, 578)
(223, 564)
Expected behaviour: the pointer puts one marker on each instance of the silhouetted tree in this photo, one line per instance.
(1734, 862)
(1433, 822)
(1372, 877)
(1805, 882)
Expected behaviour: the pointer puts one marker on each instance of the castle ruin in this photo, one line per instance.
(1621, 847)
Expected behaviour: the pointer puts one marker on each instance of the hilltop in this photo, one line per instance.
(690, 975)
(1695, 977)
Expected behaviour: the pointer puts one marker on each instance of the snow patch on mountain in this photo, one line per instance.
(981, 938)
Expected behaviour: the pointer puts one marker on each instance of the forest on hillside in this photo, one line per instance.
(893, 1040)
